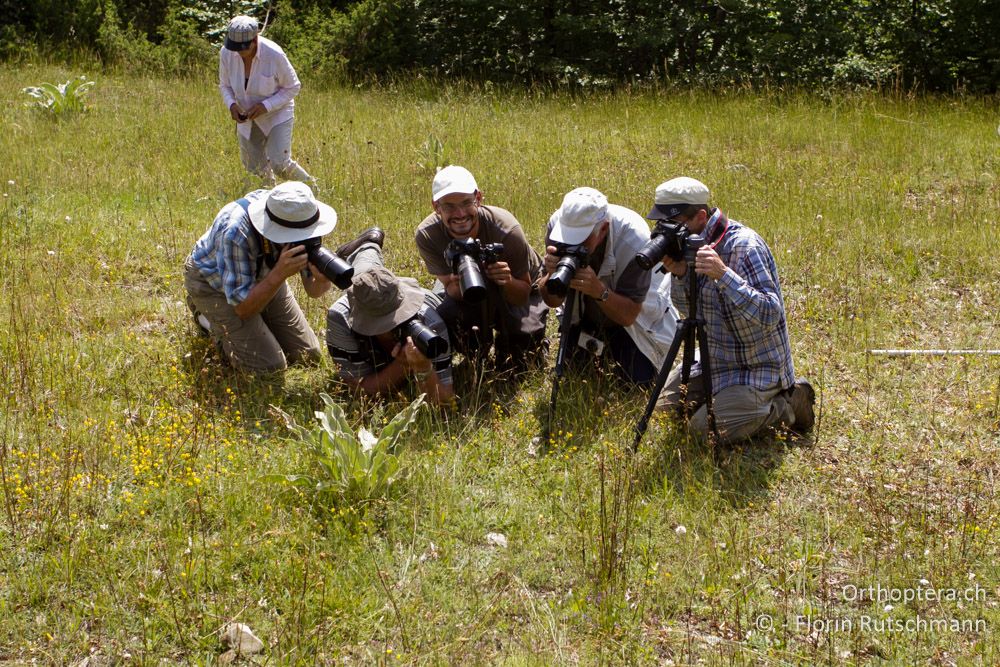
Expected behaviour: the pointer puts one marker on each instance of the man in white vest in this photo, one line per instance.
(623, 312)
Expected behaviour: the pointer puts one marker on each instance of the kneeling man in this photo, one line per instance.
(753, 380)
(236, 277)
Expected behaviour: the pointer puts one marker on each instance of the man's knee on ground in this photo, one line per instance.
(731, 427)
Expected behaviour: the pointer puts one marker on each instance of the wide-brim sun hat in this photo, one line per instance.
(291, 213)
(674, 196)
(582, 209)
(380, 301)
(241, 32)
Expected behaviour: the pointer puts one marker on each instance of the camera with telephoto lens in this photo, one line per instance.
(668, 239)
(571, 259)
(467, 257)
(429, 343)
(329, 264)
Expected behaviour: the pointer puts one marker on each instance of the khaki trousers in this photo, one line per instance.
(270, 340)
(740, 410)
(271, 155)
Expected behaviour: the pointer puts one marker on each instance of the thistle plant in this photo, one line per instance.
(60, 99)
(432, 154)
(348, 470)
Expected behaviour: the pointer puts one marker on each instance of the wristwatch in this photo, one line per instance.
(605, 294)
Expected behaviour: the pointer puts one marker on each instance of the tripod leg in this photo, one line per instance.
(687, 361)
(680, 336)
(706, 374)
(564, 327)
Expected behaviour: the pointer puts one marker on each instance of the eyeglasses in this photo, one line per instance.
(464, 205)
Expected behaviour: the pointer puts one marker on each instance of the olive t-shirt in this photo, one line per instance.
(496, 225)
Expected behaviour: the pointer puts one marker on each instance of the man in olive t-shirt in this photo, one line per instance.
(512, 315)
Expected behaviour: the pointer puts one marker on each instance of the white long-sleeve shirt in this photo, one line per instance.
(272, 82)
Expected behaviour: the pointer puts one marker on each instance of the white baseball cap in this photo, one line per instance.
(675, 195)
(582, 209)
(453, 179)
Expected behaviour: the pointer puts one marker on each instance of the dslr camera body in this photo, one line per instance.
(467, 259)
(571, 259)
(429, 343)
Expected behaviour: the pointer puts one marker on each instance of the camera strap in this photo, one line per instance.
(267, 250)
(725, 228)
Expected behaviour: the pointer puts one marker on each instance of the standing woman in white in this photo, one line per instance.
(258, 86)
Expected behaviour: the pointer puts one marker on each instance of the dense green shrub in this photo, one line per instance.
(920, 44)
(182, 48)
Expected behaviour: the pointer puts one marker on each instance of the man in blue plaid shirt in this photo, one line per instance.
(739, 298)
(236, 276)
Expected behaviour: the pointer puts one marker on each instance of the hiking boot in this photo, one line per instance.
(371, 235)
(802, 398)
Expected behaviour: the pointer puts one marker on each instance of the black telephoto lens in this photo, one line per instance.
(429, 343)
(332, 266)
(471, 280)
(558, 283)
(653, 252)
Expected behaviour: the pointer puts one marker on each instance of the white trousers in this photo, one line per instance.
(271, 155)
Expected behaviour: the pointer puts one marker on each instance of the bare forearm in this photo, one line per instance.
(258, 298)
(516, 292)
(315, 288)
(619, 309)
(384, 380)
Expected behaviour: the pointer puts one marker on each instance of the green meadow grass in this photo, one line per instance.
(133, 519)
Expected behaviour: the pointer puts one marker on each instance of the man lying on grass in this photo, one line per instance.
(385, 332)
(753, 380)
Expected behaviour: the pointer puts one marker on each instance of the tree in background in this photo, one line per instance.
(912, 44)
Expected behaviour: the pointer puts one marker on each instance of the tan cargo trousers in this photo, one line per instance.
(277, 336)
(740, 410)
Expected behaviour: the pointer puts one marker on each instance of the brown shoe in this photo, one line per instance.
(371, 235)
(803, 398)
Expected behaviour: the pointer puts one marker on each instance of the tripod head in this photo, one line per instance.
(693, 244)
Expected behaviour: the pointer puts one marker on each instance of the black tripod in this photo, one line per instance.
(564, 326)
(691, 328)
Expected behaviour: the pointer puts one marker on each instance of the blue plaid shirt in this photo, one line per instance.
(744, 311)
(227, 255)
